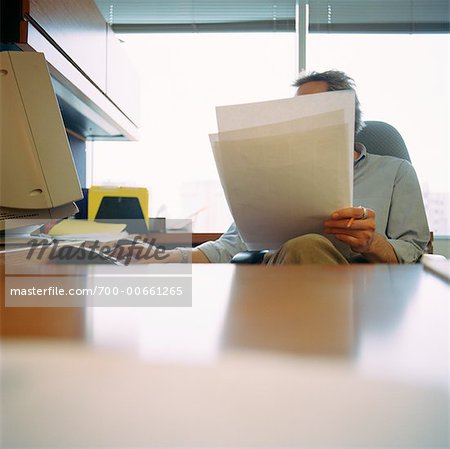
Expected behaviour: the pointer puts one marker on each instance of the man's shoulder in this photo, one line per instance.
(388, 161)
(390, 166)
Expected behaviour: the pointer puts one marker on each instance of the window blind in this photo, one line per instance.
(199, 15)
(379, 16)
(325, 16)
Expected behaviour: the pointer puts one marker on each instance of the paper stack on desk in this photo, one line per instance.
(91, 230)
(285, 165)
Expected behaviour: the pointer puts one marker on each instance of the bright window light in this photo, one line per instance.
(403, 80)
(183, 78)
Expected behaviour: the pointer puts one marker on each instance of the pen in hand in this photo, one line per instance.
(352, 219)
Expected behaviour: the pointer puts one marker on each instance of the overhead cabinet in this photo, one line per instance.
(96, 85)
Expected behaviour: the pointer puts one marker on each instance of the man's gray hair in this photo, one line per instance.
(336, 80)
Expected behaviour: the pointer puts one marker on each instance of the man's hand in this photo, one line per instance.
(356, 227)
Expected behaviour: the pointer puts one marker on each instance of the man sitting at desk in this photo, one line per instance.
(391, 227)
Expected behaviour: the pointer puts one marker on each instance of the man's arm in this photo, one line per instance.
(407, 228)
(185, 255)
(146, 253)
(199, 256)
(221, 250)
(406, 235)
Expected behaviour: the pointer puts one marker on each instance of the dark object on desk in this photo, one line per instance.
(253, 257)
(83, 205)
(118, 209)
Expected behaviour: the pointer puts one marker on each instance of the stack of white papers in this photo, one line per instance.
(285, 165)
(71, 229)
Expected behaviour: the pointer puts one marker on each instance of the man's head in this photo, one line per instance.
(316, 82)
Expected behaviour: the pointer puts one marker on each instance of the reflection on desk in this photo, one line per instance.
(294, 356)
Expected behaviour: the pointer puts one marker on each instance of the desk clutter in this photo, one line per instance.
(113, 204)
(108, 218)
(76, 229)
(117, 202)
(130, 205)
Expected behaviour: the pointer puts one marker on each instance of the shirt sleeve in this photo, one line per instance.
(223, 249)
(407, 230)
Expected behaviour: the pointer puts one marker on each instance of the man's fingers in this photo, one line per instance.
(350, 225)
(347, 239)
(358, 213)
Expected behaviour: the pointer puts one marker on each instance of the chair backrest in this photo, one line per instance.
(383, 139)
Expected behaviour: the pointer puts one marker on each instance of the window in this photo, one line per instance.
(183, 78)
(403, 80)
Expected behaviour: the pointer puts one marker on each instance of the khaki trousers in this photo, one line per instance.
(306, 249)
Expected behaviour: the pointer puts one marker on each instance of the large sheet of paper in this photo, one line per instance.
(285, 165)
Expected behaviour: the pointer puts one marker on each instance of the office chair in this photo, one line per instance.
(383, 139)
(378, 138)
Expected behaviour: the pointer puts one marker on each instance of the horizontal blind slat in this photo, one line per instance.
(404, 16)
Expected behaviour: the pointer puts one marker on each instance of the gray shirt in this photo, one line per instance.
(387, 185)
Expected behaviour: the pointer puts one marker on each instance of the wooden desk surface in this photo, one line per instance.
(294, 356)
